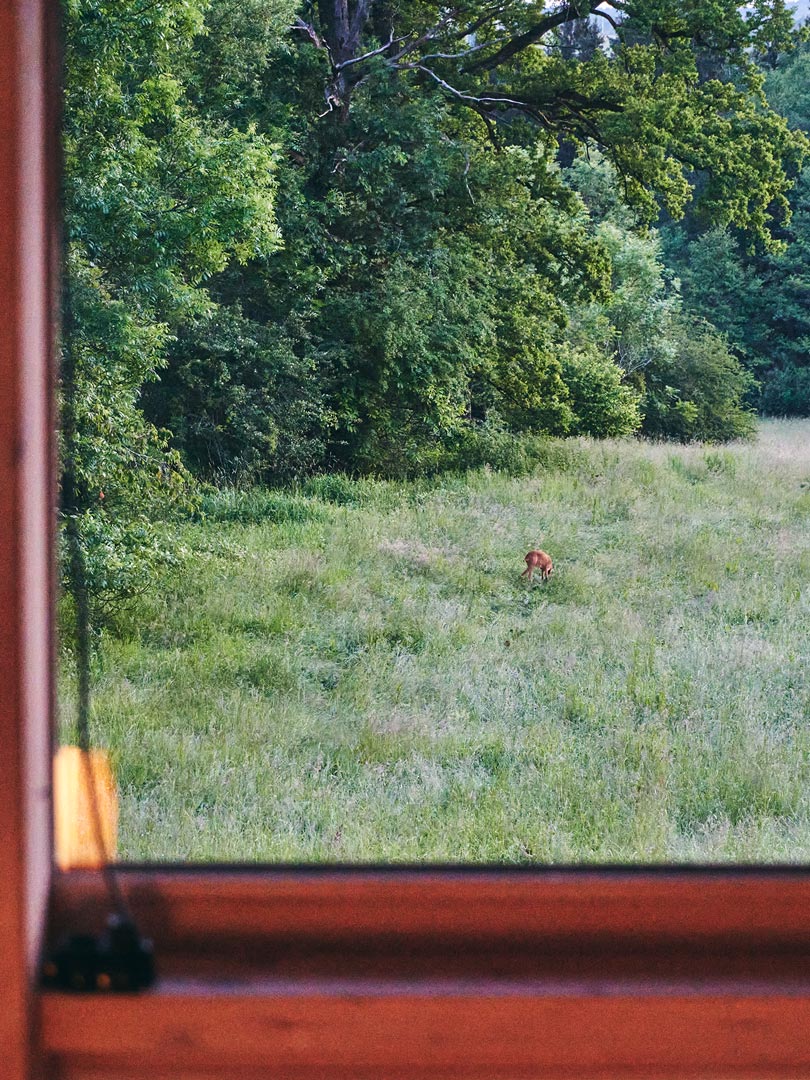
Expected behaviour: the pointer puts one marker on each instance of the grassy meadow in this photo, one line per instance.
(356, 671)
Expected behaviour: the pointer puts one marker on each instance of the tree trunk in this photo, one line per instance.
(343, 24)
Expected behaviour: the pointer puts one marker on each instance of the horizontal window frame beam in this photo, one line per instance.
(473, 972)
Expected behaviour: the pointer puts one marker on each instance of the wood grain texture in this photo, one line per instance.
(448, 974)
(430, 1030)
(192, 906)
(27, 259)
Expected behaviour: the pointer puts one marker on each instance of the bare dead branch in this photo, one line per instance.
(311, 32)
(368, 55)
(482, 100)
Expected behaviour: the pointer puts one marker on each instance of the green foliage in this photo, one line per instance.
(685, 381)
(643, 100)
(786, 86)
(636, 318)
(786, 391)
(701, 393)
(157, 197)
(239, 400)
(428, 271)
(126, 475)
(491, 445)
(722, 286)
(295, 249)
(604, 405)
(759, 299)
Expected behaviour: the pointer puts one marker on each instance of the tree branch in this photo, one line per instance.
(459, 55)
(311, 32)
(607, 16)
(523, 41)
(483, 99)
(368, 55)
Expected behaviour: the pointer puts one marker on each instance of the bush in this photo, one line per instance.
(604, 405)
(241, 405)
(490, 444)
(701, 393)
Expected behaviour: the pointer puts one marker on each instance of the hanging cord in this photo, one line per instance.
(72, 506)
(120, 959)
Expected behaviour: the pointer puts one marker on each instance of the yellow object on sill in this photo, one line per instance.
(79, 778)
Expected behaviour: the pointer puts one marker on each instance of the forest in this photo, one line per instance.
(380, 238)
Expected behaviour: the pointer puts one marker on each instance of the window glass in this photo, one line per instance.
(366, 301)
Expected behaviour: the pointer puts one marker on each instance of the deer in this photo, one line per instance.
(539, 559)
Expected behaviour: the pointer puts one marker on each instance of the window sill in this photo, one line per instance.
(463, 973)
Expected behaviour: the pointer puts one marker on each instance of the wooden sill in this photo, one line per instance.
(474, 974)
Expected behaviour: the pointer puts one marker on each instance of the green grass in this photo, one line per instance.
(357, 671)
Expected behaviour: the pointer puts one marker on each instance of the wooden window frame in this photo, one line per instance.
(332, 973)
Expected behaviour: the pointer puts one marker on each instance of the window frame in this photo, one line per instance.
(332, 972)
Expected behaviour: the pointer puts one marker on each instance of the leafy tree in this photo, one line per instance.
(642, 101)
(422, 212)
(720, 284)
(785, 299)
(759, 299)
(580, 39)
(683, 390)
(429, 271)
(603, 404)
(157, 197)
(699, 394)
(239, 400)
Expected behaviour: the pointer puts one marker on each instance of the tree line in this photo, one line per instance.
(365, 235)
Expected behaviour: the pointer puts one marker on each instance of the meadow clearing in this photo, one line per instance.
(356, 671)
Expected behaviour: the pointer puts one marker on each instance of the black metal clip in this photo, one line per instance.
(119, 961)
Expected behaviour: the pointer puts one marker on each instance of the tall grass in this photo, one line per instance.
(357, 671)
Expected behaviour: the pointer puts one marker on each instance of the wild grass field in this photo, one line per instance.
(356, 671)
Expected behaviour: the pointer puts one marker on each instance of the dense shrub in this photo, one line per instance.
(241, 405)
(700, 394)
(603, 404)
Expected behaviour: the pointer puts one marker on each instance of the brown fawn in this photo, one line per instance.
(539, 559)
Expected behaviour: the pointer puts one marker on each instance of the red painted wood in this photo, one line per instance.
(445, 974)
(27, 215)
(187, 908)
(428, 1030)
